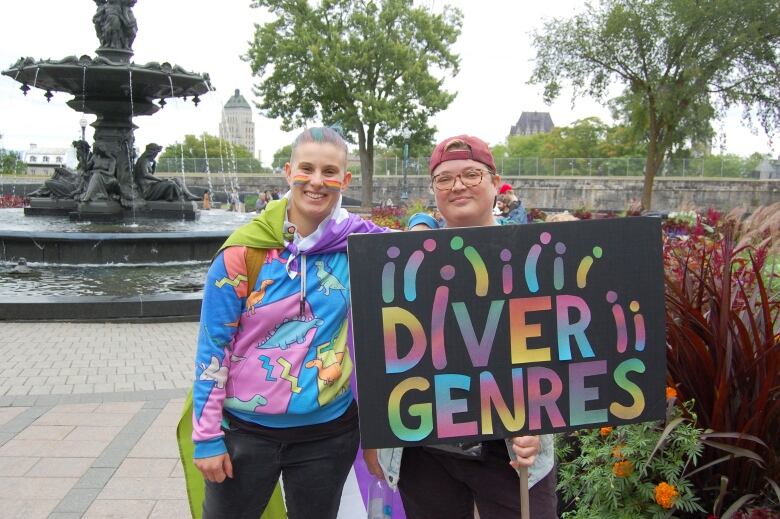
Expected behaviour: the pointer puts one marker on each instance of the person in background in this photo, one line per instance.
(261, 202)
(435, 483)
(511, 209)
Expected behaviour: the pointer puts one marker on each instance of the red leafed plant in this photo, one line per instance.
(723, 346)
(10, 201)
(391, 217)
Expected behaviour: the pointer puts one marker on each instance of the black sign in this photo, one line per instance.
(490, 332)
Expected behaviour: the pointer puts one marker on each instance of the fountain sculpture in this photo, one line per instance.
(120, 262)
(109, 184)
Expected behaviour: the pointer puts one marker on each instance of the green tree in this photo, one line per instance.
(681, 62)
(364, 64)
(11, 163)
(282, 156)
(221, 155)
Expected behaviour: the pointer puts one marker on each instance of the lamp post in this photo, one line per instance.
(406, 133)
(83, 124)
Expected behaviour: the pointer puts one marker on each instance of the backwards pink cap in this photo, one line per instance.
(478, 150)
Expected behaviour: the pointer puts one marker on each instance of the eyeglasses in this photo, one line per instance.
(468, 177)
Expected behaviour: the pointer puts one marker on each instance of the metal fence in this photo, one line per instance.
(711, 167)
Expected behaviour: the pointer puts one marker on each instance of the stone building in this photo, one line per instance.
(43, 161)
(531, 123)
(237, 126)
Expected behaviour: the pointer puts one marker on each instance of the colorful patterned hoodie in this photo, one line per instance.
(276, 354)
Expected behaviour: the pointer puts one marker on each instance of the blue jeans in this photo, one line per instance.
(313, 474)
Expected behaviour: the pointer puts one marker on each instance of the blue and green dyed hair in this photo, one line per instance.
(321, 135)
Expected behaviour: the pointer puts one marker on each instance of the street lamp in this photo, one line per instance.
(83, 124)
(406, 134)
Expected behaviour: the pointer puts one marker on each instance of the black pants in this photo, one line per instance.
(438, 486)
(313, 474)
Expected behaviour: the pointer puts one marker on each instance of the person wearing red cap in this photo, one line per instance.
(448, 481)
(505, 188)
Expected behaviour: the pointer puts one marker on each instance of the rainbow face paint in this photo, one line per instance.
(330, 184)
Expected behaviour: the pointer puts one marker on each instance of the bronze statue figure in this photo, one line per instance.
(155, 188)
(66, 183)
(115, 23)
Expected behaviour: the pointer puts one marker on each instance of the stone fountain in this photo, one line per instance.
(111, 182)
(112, 197)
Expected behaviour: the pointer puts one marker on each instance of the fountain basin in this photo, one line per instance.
(148, 308)
(167, 291)
(84, 77)
(99, 248)
(52, 240)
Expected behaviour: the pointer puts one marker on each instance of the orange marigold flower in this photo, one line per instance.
(623, 469)
(604, 431)
(665, 495)
(617, 450)
(670, 392)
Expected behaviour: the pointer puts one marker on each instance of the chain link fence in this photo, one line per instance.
(710, 167)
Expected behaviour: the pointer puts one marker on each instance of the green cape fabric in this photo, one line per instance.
(263, 232)
(196, 486)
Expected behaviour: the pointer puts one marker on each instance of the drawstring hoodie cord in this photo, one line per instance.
(302, 296)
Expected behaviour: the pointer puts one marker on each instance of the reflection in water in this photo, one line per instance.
(102, 280)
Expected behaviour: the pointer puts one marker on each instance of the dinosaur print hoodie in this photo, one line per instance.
(275, 354)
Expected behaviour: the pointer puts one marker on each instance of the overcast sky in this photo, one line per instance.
(209, 36)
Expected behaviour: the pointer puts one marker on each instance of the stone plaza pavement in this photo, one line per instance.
(88, 414)
(87, 419)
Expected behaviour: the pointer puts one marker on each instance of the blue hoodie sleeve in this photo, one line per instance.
(223, 299)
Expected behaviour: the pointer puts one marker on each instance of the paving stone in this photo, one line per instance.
(60, 467)
(53, 448)
(45, 432)
(171, 509)
(7, 413)
(55, 417)
(39, 508)
(16, 390)
(144, 488)
(48, 400)
(91, 432)
(16, 465)
(157, 442)
(119, 509)
(95, 478)
(120, 407)
(30, 488)
(143, 467)
(178, 470)
(78, 500)
(83, 388)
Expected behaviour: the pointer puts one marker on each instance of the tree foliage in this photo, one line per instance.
(368, 65)
(585, 138)
(221, 154)
(11, 163)
(282, 156)
(681, 63)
